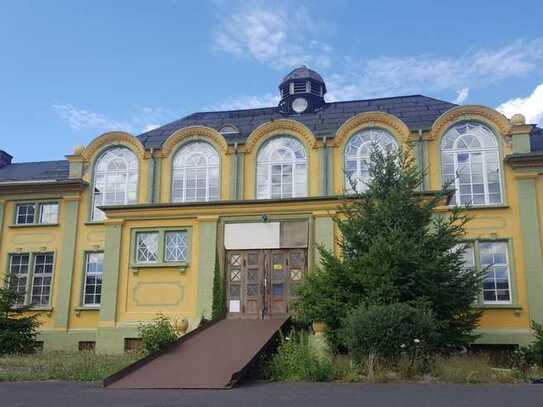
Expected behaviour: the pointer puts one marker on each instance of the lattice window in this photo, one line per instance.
(470, 163)
(115, 179)
(42, 279)
(93, 279)
(18, 267)
(147, 247)
(25, 214)
(282, 169)
(358, 156)
(49, 213)
(176, 246)
(195, 175)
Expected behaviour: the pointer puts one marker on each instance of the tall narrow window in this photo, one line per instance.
(496, 284)
(470, 163)
(357, 156)
(195, 176)
(281, 169)
(115, 179)
(94, 267)
(42, 279)
(18, 268)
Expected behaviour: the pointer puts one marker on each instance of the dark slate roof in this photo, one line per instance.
(536, 140)
(35, 171)
(416, 111)
(302, 72)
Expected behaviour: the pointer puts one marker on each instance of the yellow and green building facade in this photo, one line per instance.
(133, 225)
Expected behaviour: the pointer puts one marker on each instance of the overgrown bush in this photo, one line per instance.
(296, 361)
(18, 328)
(158, 333)
(389, 332)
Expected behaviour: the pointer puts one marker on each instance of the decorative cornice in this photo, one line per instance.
(372, 119)
(114, 137)
(470, 112)
(70, 185)
(194, 133)
(525, 160)
(286, 126)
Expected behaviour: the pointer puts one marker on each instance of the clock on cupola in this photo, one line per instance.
(302, 91)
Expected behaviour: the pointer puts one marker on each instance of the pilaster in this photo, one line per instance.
(110, 278)
(69, 223)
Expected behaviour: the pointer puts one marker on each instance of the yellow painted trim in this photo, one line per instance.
(276, 127)
(193, 133)
(111, 138)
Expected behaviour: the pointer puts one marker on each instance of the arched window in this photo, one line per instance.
(281, 169)
(357, 156)
(470, 162)
(195, 175)
(115, 179)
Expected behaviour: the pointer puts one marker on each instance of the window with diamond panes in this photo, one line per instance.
(358, 154)
(195, 175)
(470, 164)
(234, 266)
(281, 169)
(92, 291)
(42, 279)
(115, 179)
(175, 246)
(25, 214)
(18, 268)
(147, 247)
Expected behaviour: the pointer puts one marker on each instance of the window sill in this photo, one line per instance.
(182, 266)
(78, 310)
(499, 306)
(477, 207)
(94, 222)
(33, 225)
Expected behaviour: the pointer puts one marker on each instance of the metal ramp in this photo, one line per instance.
(214, 356)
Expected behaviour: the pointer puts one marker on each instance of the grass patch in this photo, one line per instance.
(74, 366)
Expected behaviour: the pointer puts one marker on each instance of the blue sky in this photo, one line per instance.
(71, 70)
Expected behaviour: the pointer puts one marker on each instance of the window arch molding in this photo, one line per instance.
(489, 154)
(211, 149)
(288, 155)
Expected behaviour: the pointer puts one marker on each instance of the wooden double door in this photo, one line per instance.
(262, 283)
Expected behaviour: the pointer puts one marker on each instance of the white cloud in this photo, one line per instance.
(391, 76)
(82, 119)
(142, 119)
(273, 36)
(461, 96)
(246, 102)
(530, 106)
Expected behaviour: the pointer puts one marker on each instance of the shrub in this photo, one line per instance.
(389, 331)
(296, 361)
(158, 333)
(18, 330)
(219, 296)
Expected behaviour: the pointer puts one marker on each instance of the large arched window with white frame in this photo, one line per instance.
(281, 169)
(358, 156)
(115, 179)
(470, 164)
(195, 174)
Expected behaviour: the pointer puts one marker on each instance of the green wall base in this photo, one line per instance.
(521, 337)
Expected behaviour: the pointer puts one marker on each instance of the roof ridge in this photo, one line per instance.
(37, 162)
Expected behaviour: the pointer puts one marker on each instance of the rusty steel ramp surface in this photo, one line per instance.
(211, 357)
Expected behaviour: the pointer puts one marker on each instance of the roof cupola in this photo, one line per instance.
(302, 91)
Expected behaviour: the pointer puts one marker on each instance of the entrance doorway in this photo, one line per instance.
(261, 283)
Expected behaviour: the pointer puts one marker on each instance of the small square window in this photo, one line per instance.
(86, 346)
(147, 247)
(49, 213)
(25, 214)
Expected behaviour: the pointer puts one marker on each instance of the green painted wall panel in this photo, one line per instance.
(531, 243)
(69, 239)
(110, 279)
(521, 143)
(208, 240)
(324, 236)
